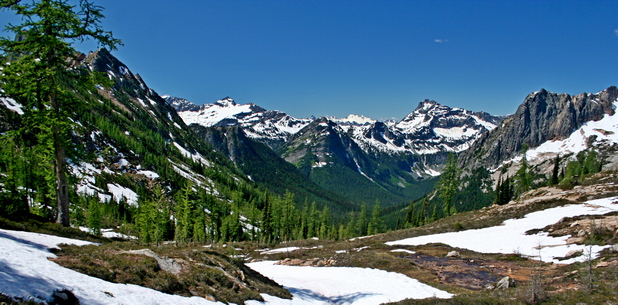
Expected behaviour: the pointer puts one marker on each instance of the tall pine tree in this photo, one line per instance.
(449, 182)
(39, 67)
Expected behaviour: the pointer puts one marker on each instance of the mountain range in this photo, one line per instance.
(340, 163)
(356, 157)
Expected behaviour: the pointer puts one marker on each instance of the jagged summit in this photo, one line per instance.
(226, 102)
(547, 117)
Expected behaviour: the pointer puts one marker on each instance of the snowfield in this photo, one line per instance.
(26, 273)
(510, 237)
(342, 285)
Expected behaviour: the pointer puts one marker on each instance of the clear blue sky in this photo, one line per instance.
(373, 58)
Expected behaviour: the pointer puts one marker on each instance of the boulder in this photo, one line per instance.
(452, 254)
(505, 283)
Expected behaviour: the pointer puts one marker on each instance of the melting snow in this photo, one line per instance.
(605, 129)
(120, 192)
(11, 104)
(26, 272)
(342, 285)
(510, 237)
(149, 174)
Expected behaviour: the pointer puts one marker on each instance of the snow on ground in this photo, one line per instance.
(404, 251)
(148, 174)
(197, 157)
(285, 250)
(11, 104)
(342, 285)
(510, 237)
(604, 129)
(108, 233)
(214, 113)
(26, 272)
(119, 192)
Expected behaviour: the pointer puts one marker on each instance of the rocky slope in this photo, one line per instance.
(263, 165)
(546, 117)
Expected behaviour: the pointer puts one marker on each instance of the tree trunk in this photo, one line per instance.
(62, 185)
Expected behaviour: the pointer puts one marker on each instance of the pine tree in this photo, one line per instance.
(449, 182)
(362, 221)
(523, 176)
(93, 219)
(555, 171)
(324, 220)
(375, 225)
(41, 69)
(184, 215)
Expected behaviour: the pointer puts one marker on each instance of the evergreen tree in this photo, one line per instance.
(324, 221)
(199, 227)
(375, 225)
(362, 222)
(449, 182)
(40, 70)
(184, 214)
(93, 218)
(523, 176)
(425, 212)
(555, 171)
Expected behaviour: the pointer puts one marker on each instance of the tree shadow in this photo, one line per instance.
(24, 241)
(336, 300)
(36, 281)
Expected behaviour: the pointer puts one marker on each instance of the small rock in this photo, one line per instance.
(505, 283)
(573, 253)
(452, 254)
(63, 297)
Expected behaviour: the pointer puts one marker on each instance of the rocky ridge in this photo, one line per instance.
(543, 116)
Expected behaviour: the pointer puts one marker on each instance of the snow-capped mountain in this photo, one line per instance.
(430, 129)
(268, 126)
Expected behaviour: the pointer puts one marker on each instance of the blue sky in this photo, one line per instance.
(373, 58)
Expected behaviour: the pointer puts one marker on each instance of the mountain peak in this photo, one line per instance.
(226, 102)
(427, 104)
(354, 119)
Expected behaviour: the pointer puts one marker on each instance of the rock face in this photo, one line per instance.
(543, 116)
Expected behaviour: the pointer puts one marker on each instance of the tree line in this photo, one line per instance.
(459, 193)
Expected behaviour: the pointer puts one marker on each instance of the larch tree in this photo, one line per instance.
(449, 182)
(40, 66)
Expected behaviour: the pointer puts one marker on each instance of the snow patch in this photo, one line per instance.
(27, 273)
(11, 104)
(119, 193)
(510, 237)
(342, 285)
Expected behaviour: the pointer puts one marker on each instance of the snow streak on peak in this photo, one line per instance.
(353, 119)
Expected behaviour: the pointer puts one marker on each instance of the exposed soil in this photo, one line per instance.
(469, 273)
